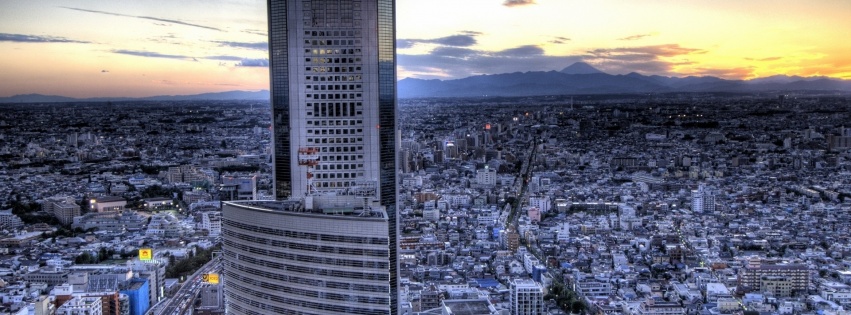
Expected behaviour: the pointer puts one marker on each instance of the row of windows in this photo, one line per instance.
(329, 96)
(340, 167)
(238, 294)
(335, 140)
(335, 87)
(300, 258)
(304, 269)
(341, 122)
(333, 110)
(332, 42)
(307, 235)
(338, 175)
(321, 69)
(341, 158)
(340, 131)
(355, 33)
(334, 184)
(334, 51)
(342, 149)
(328, 78)
(310, 281)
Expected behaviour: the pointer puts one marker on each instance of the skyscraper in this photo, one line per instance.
(328, 245)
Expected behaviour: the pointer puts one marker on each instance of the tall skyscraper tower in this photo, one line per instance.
(328, 244)
(333, 80)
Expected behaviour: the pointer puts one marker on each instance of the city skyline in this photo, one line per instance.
(91, 49)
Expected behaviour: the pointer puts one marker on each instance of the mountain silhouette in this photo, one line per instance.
(580, 68)
(582, 78)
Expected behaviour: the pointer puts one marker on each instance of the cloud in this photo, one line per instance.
(668, 50)
(729, 73)
(465, 40)
(764, 59)
(146, 18)
(458, 62)
(522, 51)
(559, 40)
(21, 38)
(253, 63)
(247, 45)
(454, 52)
(513, 3)
(656, 59)
(150, 54)
(636, 37)
(225, 58)
(255, 32)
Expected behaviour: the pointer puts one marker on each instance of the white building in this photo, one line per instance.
(486, 177)
(527, 297)
(81, 306)
(430, 211)
(543, 203)
(702, 200)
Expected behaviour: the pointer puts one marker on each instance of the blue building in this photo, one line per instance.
(138, 292)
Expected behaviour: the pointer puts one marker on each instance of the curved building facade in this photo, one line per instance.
(280, 258)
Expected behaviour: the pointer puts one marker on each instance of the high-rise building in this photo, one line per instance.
(328, 244)
(702, 200)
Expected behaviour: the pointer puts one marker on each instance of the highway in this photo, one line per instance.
(183, 300)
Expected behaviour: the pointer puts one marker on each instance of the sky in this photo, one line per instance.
(96, 48)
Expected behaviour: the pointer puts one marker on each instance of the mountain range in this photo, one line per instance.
(582, 78)
(262, 95)
(578, 78)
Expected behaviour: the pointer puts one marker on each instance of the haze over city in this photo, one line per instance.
(135, 49)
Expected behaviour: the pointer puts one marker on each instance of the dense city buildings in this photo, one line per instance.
(595, 199)
(333, 88)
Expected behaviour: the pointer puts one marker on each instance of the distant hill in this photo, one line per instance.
(582, 78)
(218, 96)
(580, 68)
(577, 78)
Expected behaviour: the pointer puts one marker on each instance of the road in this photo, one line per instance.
(184, 299)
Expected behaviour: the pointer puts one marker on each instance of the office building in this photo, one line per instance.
(282, 258)
(328, 244)
(702, 200)
(782, 279)
(527, 297)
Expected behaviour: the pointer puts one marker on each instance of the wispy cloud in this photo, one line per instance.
(764, 59)
(255, 32)
(729, 73)
(465, 40)
(458, 62)
(225, 58)
(522, 51)
(559, 40)
(514, 3)
(21, 38)
(636, 37)
(146, 18)
(656, 59)
(253, 63)
(247, 45)
(150, 54)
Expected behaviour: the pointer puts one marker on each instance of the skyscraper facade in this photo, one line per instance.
(333, 94)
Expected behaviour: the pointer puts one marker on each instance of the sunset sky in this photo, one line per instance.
(95, 48)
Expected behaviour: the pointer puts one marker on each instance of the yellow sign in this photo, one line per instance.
(211, 278)
(146, 254)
